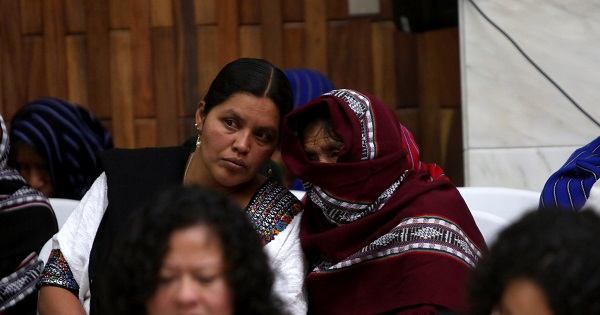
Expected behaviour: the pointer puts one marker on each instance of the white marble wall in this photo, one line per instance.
(518, 127)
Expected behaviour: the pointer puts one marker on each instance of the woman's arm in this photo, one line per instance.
(55, 300)
(65, 275)
(289, 266)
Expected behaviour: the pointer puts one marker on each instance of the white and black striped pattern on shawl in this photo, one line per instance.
(16, 195)
(419, 234)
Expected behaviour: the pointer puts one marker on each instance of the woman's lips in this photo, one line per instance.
(235, 164)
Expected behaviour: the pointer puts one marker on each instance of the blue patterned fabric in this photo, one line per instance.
(307, 84)
(68, 136)
(569, 187)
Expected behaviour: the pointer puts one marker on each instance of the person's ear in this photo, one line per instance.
(200, 116)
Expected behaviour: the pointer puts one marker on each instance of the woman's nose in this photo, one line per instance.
(188, 292)
(242, 142)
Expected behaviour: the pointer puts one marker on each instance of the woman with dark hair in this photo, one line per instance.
(26, 223)
(544, 263)
(383, 232)
(54, 146)
(238, 124)
(188, 234)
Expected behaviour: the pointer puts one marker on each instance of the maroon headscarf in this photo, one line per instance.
(382, 231)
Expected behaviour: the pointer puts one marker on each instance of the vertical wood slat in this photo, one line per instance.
(228, 36)
(77, 70)
(250, 41)
(315, 49)
(293, 45)
(120, 14)
(205, 12)
(145, 132)
(187, 54)
(272, 31)
(384, 76)
(353, 35)
(250, 12)
(141, 62)
(74, 16)
(98, 44)
(161, 13)
(121, 85)
(11, 58)
(54, 46)
(31, 16)
(208, 57)
(34, 69)
(165, 83)
(429, 117)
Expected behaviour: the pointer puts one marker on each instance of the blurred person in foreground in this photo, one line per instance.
(546, 263)
(190, 250)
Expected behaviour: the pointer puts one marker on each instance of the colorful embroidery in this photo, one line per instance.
(271, 210)
(58, 273)
(421, 234)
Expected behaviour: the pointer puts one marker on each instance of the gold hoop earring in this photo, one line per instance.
(198, 142)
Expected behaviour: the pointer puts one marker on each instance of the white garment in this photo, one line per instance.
(76, 237)
(593, 201)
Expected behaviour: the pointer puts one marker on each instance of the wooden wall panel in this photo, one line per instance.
(74, 16)
(54, 48)
(161, 13)
(186, 58)
(31, 16)
(250, 41)
(205, 12)
(145, 133)
(384, 76)
(121, 86)
(228, 35)
(272, 31)
(141, 63)
(120, 12)
(101, 101)
(77, 70)
(315, 49)
(142, 66)
(165, 82)
(208, 57)
(33, 69)
(250, 12)
(11, 57)
(293, 45)
(350, 56)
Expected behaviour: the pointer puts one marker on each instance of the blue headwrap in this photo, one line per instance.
(569, 187)
(307, 84)
(68, 136)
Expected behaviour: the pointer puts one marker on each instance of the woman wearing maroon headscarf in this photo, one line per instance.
(383, 232)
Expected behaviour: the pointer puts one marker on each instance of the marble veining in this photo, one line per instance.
(514, 118)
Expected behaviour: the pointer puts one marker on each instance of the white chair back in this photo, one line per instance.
(62, 209)
(494, 208)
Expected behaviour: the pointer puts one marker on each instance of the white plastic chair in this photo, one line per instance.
(62, 210)
(494, 208)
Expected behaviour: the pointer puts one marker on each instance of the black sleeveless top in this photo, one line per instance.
(133, 176)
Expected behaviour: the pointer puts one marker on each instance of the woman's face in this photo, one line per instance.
(238, 137)
(192, 277)
(523, 297)
(318, 143)
(34, 169)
